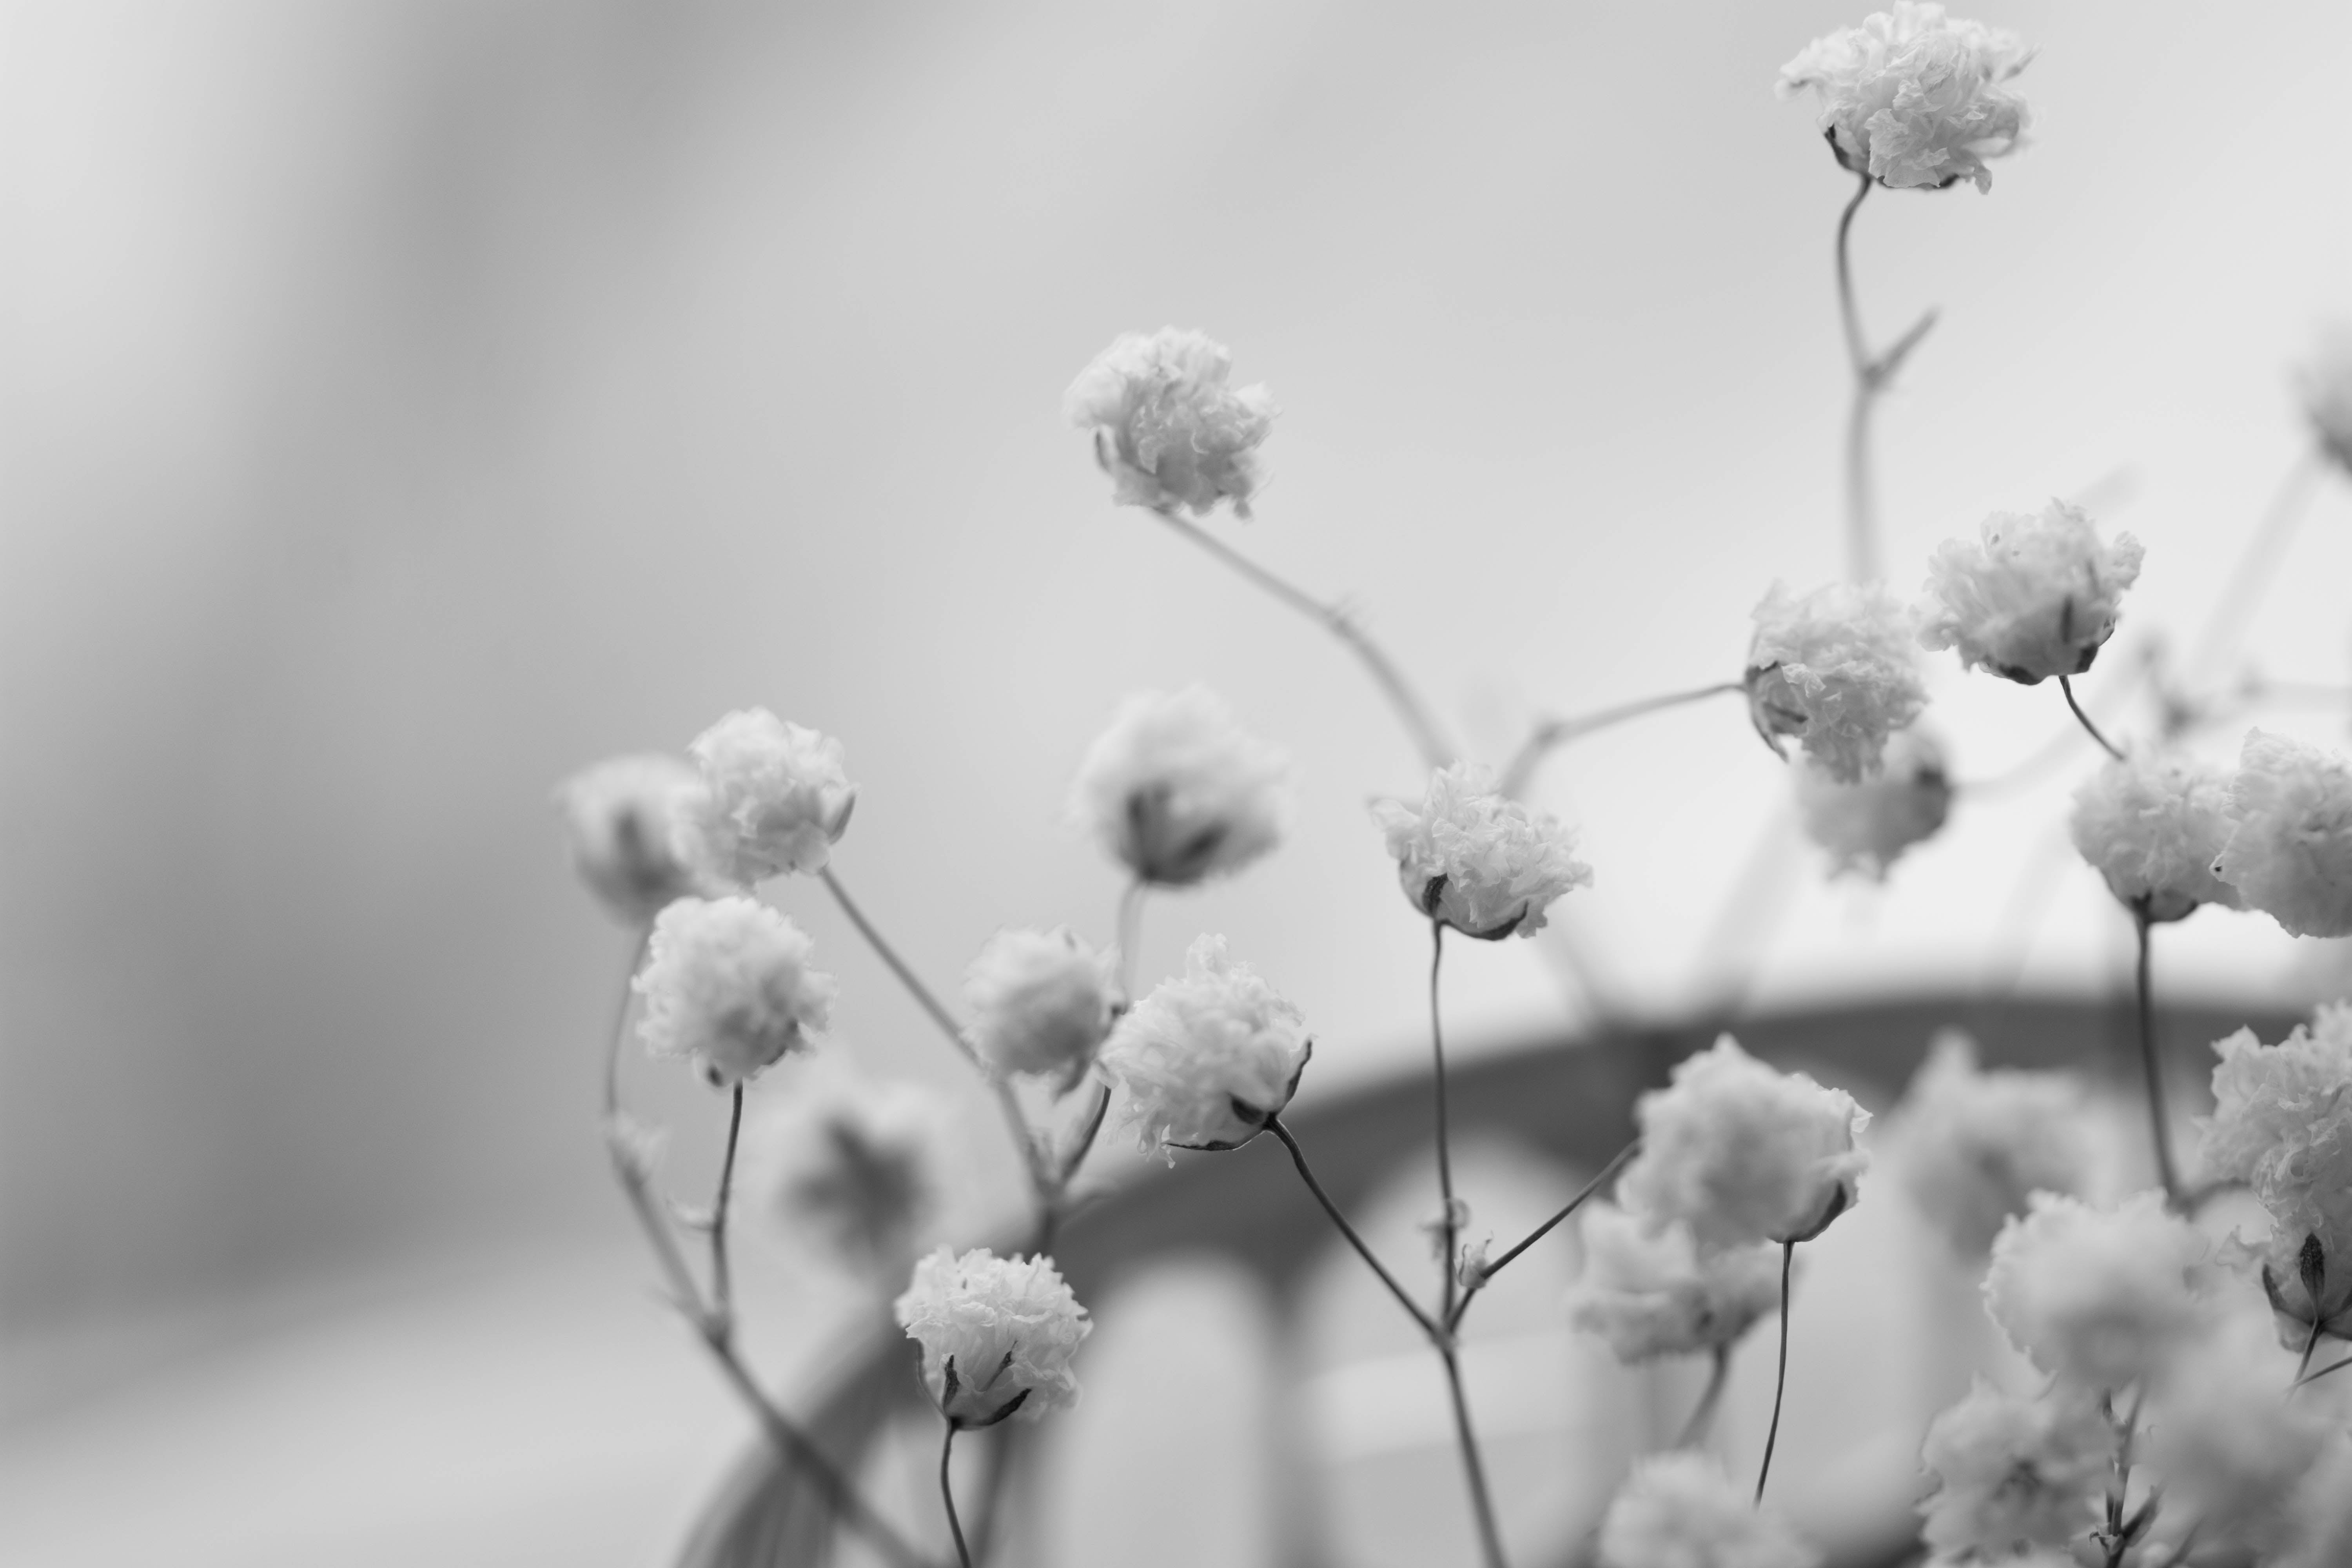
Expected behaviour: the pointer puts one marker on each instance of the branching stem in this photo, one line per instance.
(1871, 376)
(1552, 733)
(1478, 1282)
(1299, 1157)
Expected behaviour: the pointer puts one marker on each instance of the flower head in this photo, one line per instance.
(2233, 1452)
(2100, 1299)
(1477, 860)
(1973, 1146)
(1178, 791)
(1913, 98)
(2282, 1123)
(2012, 1474)
(1651, 1294)
(1742, 1152)
(2152, 825)
(1165, 427)
(727, 985)
(1838, 668)
(2033, 597)
(997, 1335)
(775, 798)
(2325, 384)
(1209, 1057)
(1866, 827)
(858, 1166)
(1042, 1000)
(2289, 853)
(1680, 1510)
(626, 818)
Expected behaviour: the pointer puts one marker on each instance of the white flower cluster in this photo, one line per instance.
(2237, 1459)
(1178, 791)
(1972, 1147)
(1476, 860)
(1866, 826)
(857, 1167)
(1837, 668)
(2152, 824)
(775, 797)
(997, 1335)
(2014, 1474)
(1680, 1510)
(2282, 1123)
(629, 821)
(2099, 1298)
(1913, 98)
(1208, 1057)
(1651, 1293)
(2325, 384)
(1165, 427)
(2035, 597)
(727, 985)
(1042, 1002)
(2289, 852)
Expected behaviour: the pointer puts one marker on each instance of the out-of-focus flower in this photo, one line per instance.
(2152, 825)
(1651, 1294)
(2232, 1450)
(2325, 384)
(2033, 597)
(1839, 669)
(627, 818)
(2323, 1516)
(775, 798)
(1741, 1153)
(2098, 1297)
(858, 1166)
(1680, 1510)
(1042, 1002)
(997, 1335)
(727, 985)
(1167, 428)
(2012, 1474)
(1178, 791)
(1866, 827)
(1970, 1147)
(2282, 1123)
(1480, 862)
(1914, 98)
(1209, 1057)
(2289, 852)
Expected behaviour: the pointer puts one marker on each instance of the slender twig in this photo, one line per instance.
(1702, 1415)
(1449, 1222)
(1299, 1157)
(722, 1278)
(2310, 1344)
(1871, 376)
(621, 1021)
(2066, 685)
(2323, 1372)
(947, 1496)
(1477, 1282)
(1130, 934)
(2159, 1119)
(1419, 723)
(1551, 733)
(1781, 1379)
(2060, 748)
(1474, 1467)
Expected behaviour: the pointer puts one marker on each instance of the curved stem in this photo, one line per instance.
(1299, 1157)
(947, 1496)
(2066, 685)
(1702, 1415)
(1491, 1270)
(1474, 1467)
(1781, 1380)
(1550, 733)
(722, 1279)
(2160, 1121)
(1448, 1220)
(621, 1021)
(1860, 515)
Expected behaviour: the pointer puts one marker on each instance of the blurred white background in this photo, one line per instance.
(407, 403)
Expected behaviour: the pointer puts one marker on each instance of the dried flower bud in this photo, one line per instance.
(1838, 668)
(2035, 597)
(997, 1335)
(1913, 98)
(776, 798)
(1651, 1293)
(727, 985)
(2100, 1299)
(1179, 793)
(2289, 853)
(629, 820)
(1165, 427)
(1866, 827)
(2282, 1123)
(1680, 1510)
(1042, 1003)
(2152, 824)
(1972, 1147)
(1209, 1057)
(856, 1166)
(1478, 861)
(2014, 1474)
(2231, 1450)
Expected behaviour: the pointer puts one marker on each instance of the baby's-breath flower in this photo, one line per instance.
(2282, 1123)
(1839, 669)
(1209, 1057)
(1970, 1147)
(2152, 825)
(1651, 1294)
(2100, 1299)
(1914, 98)
(1042, 1002)
(1165, 427)
(727, 985)
(1866, 827)
(2325, 384)
(997, 1335)
(860, 1167)
(1480, 862)
(2289, 852)
(627, 820)
(775, 797)
(2014, 1474)
(2231, 1450)
(1742, 1152)
(1680, 1510)
(2033, 597)
(1178, 791)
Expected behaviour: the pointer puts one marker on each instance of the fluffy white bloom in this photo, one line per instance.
(1866, 827)
(860, 1167)
(2231, 1451)
(1042, 1000)
(775, 798)
(1680, 1510)
(2323, 1516)
(1655, 1294)
(2098, 1297)
(1167, 428)
(1482, 863)
(2012, 1474)
(627, 818)
(727, 985)
(1208, 1057)
(1007, 1325)
(2289, 853)
(1839, 669)
(2152, 825)
(2327, 387)
(1915, 98)
(2033, 597)
(1971, 1146)
(2282, 1123)
(1178, 791)
(1742, 1152)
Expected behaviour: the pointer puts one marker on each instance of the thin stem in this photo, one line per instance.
(947, 1496)
(2331, 1367)
(1486, 1273)
(1861, 510)
(2159, 1121)
(1299, 1157)
(1781, 1379)
(1419, 723)
(723, 1280)
(1550, 733)
(1448, 1223)
(1702, 1415)
(1474, 1467)
(621, 1021)
(1849, 314)
(2310, 1345)
(2066, 685)
(1130, 934)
